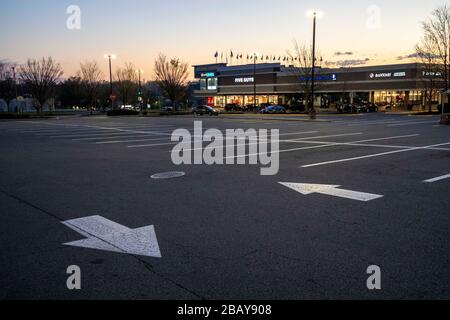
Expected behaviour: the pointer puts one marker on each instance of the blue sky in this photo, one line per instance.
(137, 30)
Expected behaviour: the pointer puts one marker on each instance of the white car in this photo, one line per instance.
(127, 107)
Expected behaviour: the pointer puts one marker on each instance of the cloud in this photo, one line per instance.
(346, 53)
(409, 56)
(415, 55)
(351, 62)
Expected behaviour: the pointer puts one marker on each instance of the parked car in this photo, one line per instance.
(360, 108)
(346, 108)
(127, 107)
(297, 107)
(371, 107)
(205, 110)
(167, 109)
(250, 108)
(233, 107)
(273, 109)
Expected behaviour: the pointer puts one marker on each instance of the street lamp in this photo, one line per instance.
(110, 57)
(139, 72)
(255, 56)
(315, 14)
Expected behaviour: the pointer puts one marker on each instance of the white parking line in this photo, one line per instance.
(411, 123)
(193, 136)
(373, 155)
(115, 136)
(294, 149)
(81, 129)
(130, 141)
(92, 136)
(447, 176)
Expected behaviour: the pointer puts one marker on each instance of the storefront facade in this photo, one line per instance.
(403, 85)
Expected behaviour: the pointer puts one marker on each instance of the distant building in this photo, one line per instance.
(273, 83)
(23, 105)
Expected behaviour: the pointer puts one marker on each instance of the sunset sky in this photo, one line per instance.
(137, 30)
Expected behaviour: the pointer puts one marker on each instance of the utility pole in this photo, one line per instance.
(254, 82)
(110, 57)
(139, 72)
(312, 111)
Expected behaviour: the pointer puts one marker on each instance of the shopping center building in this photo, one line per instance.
(402, 85)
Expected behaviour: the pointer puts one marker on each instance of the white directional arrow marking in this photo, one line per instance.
(106, 235)
(331, 190)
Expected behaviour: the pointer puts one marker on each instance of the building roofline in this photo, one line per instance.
(224, 64)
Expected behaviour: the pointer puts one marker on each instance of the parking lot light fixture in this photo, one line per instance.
(140, 72)
(255, 56)
(314, 14)
(110, 57)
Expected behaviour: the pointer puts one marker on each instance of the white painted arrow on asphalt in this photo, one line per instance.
(331, 190)
(106, 235)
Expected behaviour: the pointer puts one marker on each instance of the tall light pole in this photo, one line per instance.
(254, 82)
(315, 15)
(255, 56)
(110, 57)
(139, 72)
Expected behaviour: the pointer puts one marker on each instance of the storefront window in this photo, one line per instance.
(388, 97)
(203, 84)
(248, 100)
(212, 83)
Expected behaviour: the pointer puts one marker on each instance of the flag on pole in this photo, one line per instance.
(216, 54)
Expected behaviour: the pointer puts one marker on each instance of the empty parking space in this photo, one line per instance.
(350, 192)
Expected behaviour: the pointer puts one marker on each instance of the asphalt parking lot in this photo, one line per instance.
(226, 232)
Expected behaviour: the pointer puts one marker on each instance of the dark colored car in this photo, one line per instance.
(297, 107)
(205, 110)
(347, 108)
(233, 107)
(360, 108)
(371, 107)
(249, 108)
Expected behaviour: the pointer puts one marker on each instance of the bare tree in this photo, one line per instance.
(431, 69)
(301, 56)
(91, 78)
(41, 77)
(437, 34)
(7, 83)
(126, 82)
(171, 77)
(4, 70)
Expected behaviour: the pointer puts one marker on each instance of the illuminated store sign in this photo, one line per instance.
(386, 75)
(244, 80)
(331, 77)
(207, 74)
(431, 74)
